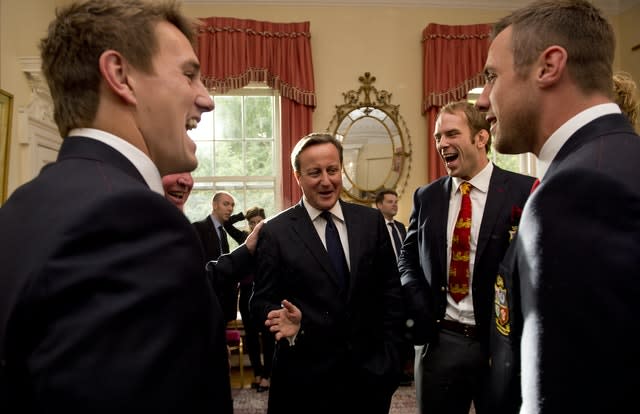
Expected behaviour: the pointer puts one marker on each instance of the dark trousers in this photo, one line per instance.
(450, 374)
(259, 342)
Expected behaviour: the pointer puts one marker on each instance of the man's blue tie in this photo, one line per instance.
(336, 253)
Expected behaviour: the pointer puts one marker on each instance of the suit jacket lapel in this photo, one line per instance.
(496, 197)
(212, 237)
(308, 236)
(440, 220)
(354, 228)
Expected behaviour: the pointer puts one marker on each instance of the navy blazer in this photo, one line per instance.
(578, 257)
(345, 339)
(104, 302)
(209, 238)
(423, 261)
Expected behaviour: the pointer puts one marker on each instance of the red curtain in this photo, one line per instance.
(234, 52)
(454, 58)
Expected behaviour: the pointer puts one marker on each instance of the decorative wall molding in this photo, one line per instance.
(40, 105)
(37, 132)
(608, 6)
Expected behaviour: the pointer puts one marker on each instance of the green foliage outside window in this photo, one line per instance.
(505, 161)
(236, 151)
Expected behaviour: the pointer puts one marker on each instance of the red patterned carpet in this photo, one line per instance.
(248, 401)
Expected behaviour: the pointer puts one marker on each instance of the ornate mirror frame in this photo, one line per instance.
(376, 142)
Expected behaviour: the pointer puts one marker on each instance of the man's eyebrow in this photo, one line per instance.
(193, 65)
(447, 133)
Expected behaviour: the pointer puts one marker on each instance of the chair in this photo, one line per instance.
(235, 344)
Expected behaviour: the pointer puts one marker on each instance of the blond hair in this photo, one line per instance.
(625, 93)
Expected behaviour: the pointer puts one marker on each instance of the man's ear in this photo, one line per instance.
(551, 65)
(481, 138)
(115, 72)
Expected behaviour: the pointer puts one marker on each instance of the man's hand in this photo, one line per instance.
(284, 322)
(252, 238)
(236, 218)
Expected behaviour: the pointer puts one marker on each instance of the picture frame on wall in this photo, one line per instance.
(6, 111)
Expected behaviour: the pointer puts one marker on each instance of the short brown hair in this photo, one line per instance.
(254, 212)
(380, 194)
(80, 34)
(575, 25)
(476, 119)
(314, 138)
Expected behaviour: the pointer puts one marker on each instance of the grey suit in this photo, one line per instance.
(347, 357)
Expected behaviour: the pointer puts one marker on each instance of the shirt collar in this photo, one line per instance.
(216, 223)
(552, 146)
(313, 212)
(479, 182)
(139, 159)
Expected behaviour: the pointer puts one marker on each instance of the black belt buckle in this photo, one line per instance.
(463, 329)
(469, 331)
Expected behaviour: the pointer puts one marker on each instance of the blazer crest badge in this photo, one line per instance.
(501, 308)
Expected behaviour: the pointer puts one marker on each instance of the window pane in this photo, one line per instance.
(228, 117)
(204, 153)
(506, 161)
(260, 158)
(262, 197)
(204, 131)
(229, 159)
(236, 150)
(199, 204)
(258, 116)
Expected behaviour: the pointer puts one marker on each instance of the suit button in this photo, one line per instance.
(443, 288)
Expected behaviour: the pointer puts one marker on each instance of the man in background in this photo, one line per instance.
(387, 202)
(333, 262)
(458, 234)
(177, 188)
(212, 231)
(108, 308)
(577, 249)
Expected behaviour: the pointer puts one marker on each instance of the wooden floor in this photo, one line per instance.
(235, 377)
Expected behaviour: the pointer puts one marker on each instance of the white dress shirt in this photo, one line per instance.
(139, 159)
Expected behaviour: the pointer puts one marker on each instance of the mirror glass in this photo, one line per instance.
(375, 146)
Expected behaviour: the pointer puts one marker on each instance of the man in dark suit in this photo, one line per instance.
(344, 355)
(451, 316)
(577, 248)
(104, 302)
(387, 202)
(213, 231)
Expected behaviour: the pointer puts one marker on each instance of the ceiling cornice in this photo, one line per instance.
(608, 6)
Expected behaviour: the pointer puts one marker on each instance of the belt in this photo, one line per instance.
(469, 331)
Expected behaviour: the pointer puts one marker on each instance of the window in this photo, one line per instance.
(239, 152)
(522, 163)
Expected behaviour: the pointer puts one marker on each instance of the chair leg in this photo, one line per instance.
(241, 362)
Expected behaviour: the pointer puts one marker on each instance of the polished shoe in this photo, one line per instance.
(262, 388)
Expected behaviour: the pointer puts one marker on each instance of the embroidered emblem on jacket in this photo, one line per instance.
(501, 308)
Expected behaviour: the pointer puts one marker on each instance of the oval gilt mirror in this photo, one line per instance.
(375, 140)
